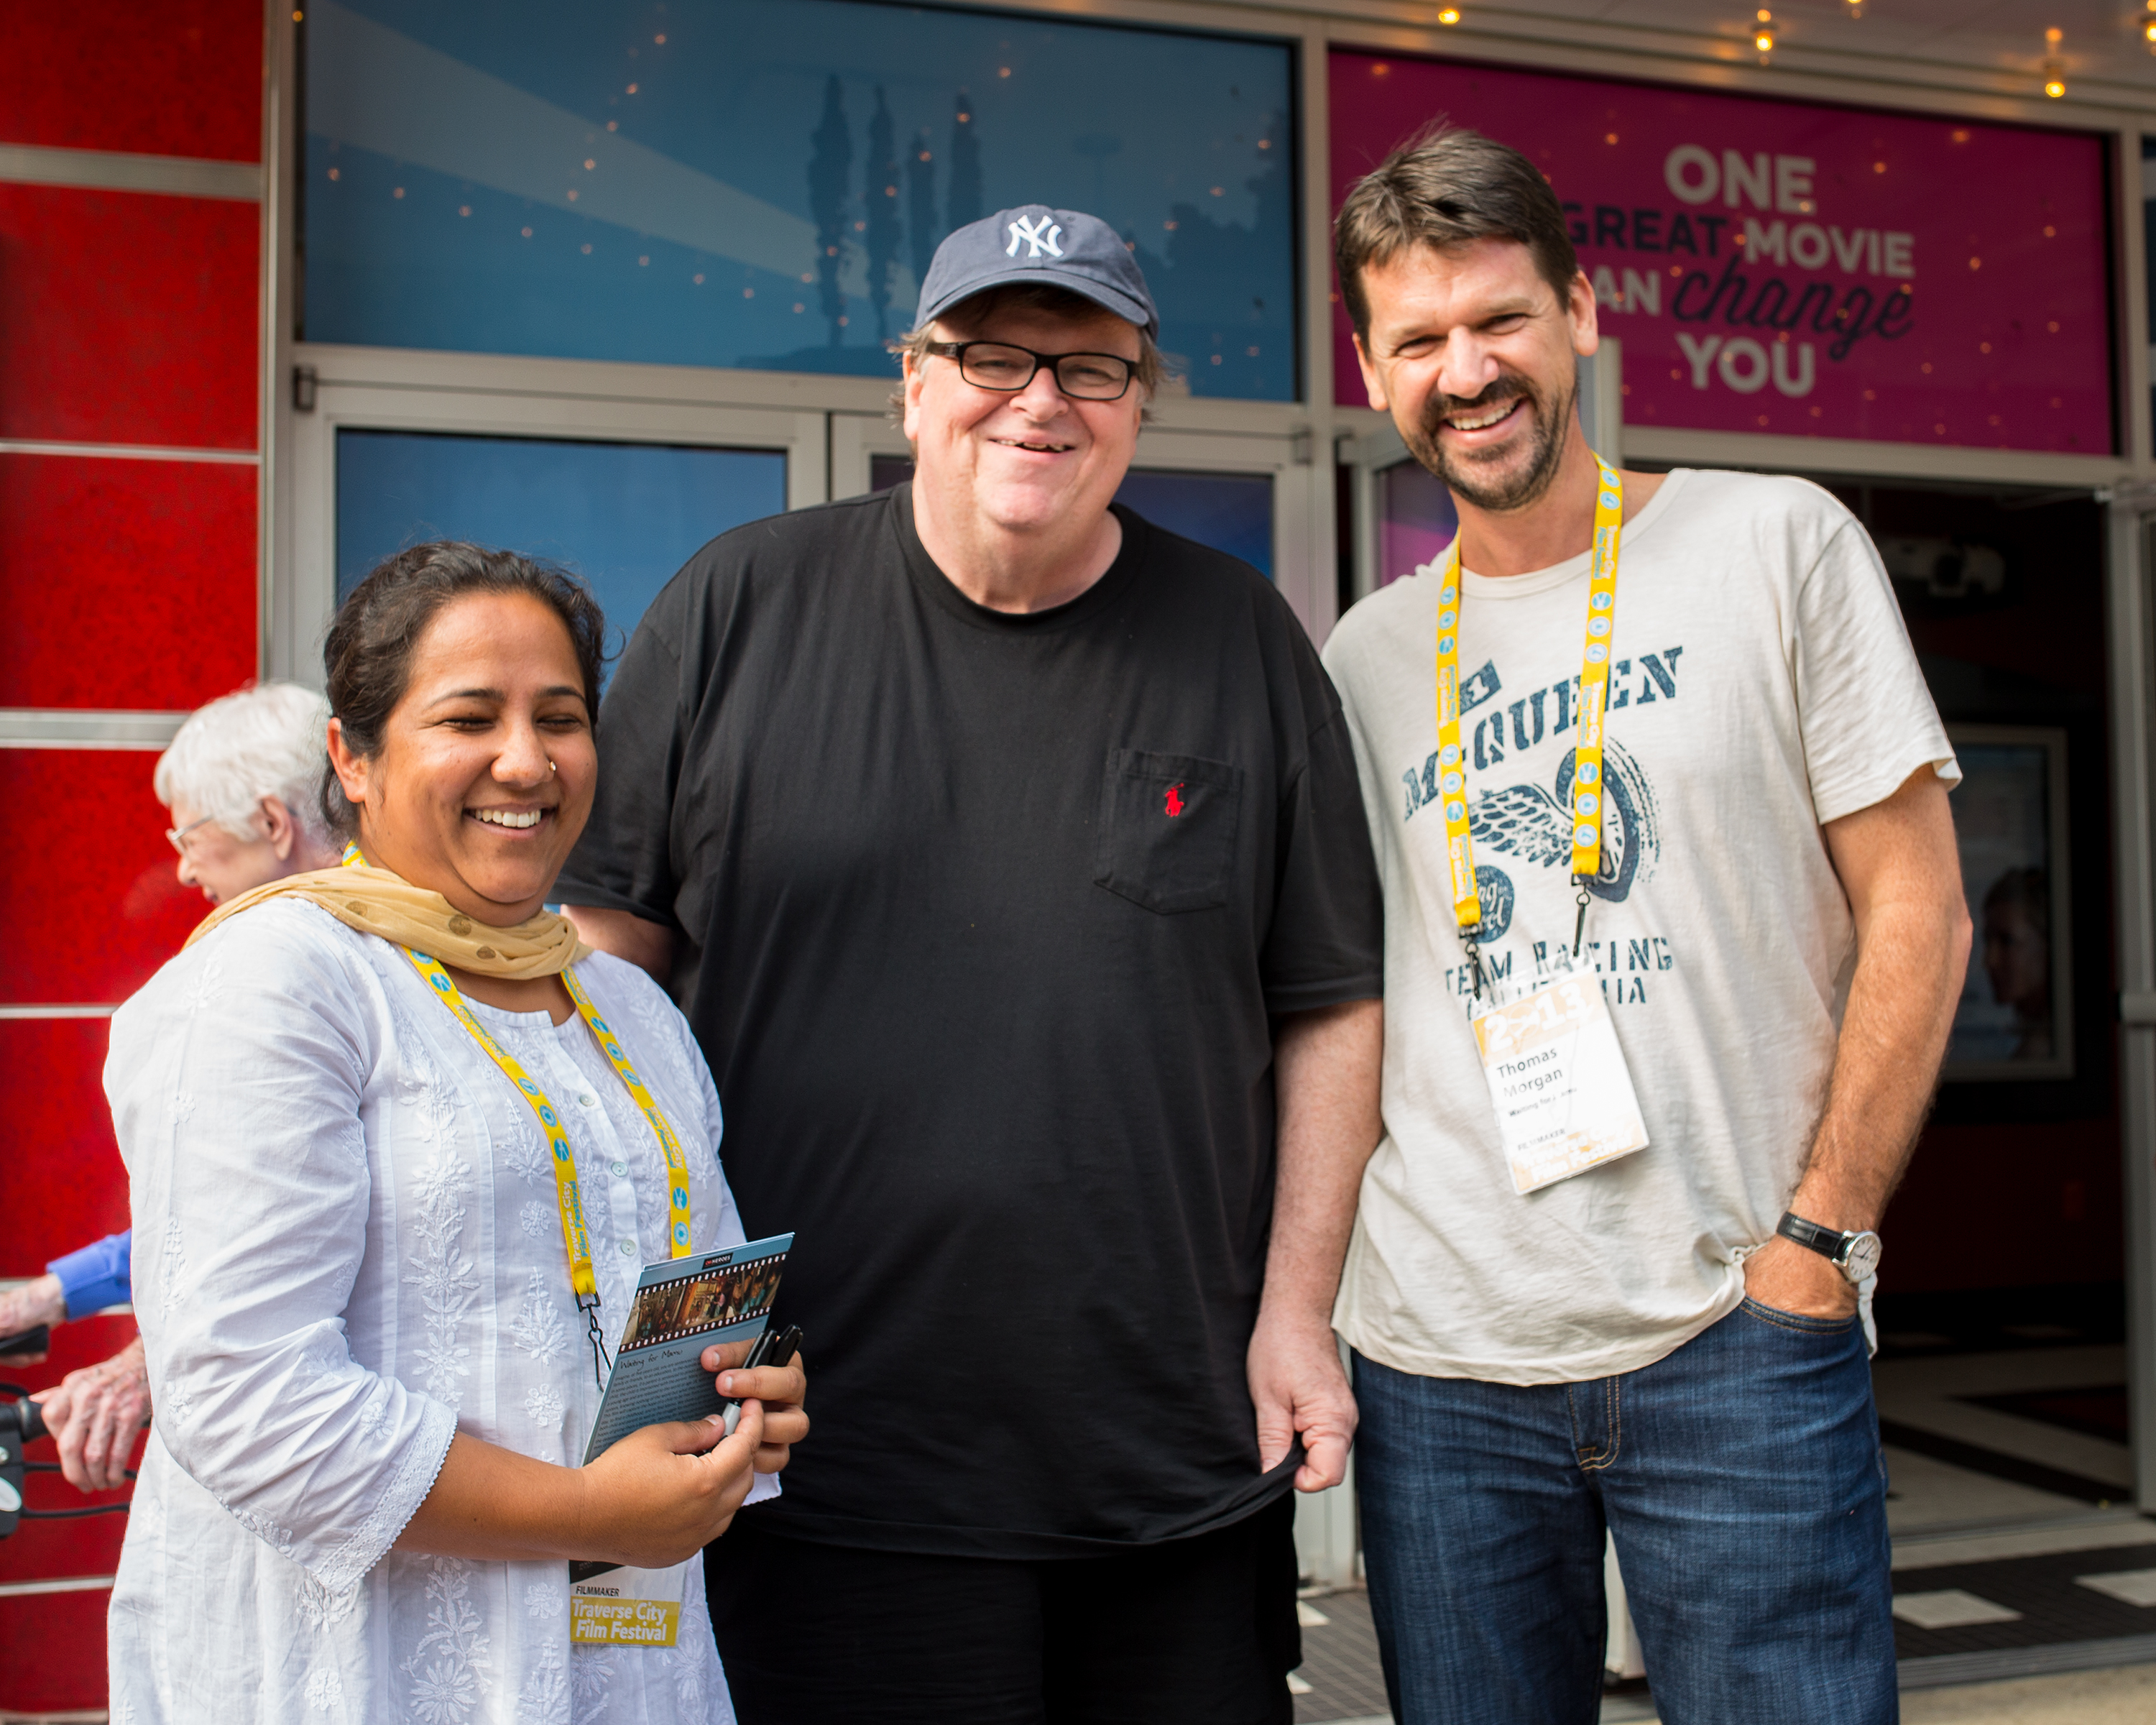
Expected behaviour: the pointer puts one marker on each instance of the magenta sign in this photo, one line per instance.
(1776, 266)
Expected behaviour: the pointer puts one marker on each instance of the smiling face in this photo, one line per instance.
(1476, 355)
(1034, 463)
(487, 765)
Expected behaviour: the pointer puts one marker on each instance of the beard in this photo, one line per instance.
(1508, 478)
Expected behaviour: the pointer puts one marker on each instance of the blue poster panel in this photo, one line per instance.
(761, 183)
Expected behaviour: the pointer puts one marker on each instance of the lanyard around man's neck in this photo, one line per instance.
(1587, 790)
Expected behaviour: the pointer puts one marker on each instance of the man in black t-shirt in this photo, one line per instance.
(1007, 855)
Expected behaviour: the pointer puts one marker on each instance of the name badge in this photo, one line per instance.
(626, 1608)
(1564, 1099)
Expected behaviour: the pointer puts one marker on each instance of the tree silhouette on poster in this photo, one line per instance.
(1227, 304)
(830, 159)
(883, 224)
(920, 228)
(962, 202)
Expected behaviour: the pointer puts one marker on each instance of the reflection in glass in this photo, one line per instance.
(624, 516)
(2002, 827)
(1416, 519)
(761, 182)
(1229, 511)
(2017, 957)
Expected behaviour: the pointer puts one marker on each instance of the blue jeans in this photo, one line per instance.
(1742, 1479)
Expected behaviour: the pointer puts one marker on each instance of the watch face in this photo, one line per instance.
(1863, 1258)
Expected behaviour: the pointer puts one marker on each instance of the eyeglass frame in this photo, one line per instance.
(176, 836)
(957, 350)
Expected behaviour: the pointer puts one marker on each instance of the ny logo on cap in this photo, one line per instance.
(1041, 235)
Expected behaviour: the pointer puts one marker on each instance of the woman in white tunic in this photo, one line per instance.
(356, 1273)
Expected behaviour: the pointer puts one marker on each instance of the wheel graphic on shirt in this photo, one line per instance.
(1493, 886)
(1526, 821)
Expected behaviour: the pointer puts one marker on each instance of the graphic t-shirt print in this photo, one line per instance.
(1520, 793)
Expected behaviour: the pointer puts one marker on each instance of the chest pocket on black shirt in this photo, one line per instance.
(1167, 829)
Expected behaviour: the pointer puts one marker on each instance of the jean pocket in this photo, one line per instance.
(1168, 830)
(1802, 1322)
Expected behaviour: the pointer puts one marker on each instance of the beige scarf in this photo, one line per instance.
(379, 901)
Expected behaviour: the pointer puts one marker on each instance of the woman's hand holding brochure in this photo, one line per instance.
(650, 1462)
(662, 1494)
(654, 1498)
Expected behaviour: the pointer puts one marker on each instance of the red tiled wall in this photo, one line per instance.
(66, 1184)
(158, 77)
(127, 317)
(48, 1640)
(125, 583)
(88, 879)
(52, 1645)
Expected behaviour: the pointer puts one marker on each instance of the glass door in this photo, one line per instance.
(624, 515)
(618, 488)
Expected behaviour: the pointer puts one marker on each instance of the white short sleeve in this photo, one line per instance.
(1866, 717)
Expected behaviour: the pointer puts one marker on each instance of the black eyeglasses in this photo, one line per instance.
(999, 366)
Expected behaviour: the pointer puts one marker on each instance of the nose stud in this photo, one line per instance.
(551, 766)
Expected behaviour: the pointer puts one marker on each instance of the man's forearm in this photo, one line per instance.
(1325, 1066)
(1913, 950)
(648, 946)
(42, 1300)
(1886, 1064)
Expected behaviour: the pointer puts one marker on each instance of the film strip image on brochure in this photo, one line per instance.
(712, 1299)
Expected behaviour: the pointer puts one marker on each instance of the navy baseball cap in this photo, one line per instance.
(1060, 247)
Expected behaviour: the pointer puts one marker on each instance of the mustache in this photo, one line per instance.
(1502, 389)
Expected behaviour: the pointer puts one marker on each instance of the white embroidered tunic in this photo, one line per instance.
(348, 1250)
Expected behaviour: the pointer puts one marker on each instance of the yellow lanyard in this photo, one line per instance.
(576, 1235)
(1593, 693)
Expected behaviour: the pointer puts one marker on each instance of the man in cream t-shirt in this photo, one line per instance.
(1773, 931)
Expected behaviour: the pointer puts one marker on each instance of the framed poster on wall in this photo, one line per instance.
(1794, 269)
(2015, 1019)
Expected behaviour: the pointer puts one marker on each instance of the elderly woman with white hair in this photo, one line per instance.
(242, 779)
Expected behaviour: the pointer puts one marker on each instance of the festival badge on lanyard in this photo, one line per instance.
(630, 1608)
(1557, 1076)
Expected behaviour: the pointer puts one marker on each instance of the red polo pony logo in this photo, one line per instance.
(1175, 804)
